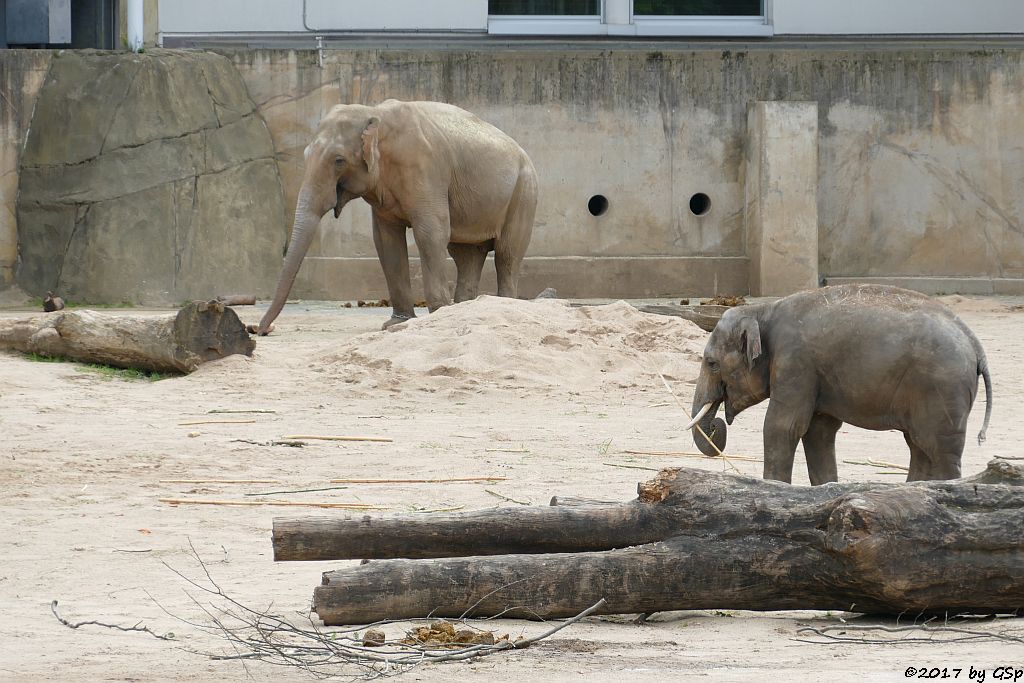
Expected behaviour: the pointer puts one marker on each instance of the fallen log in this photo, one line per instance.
(175, 343)
(692, 540)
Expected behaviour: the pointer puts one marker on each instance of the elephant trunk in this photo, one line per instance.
(705, 407)
(303, 230)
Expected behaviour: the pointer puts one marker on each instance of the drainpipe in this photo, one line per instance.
(136, 30)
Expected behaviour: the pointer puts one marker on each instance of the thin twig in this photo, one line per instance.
(76, 624)
(307, 437)
(231, 410)
(216, 422)
(511, 500)
(632, 467)
(416, 481)
(219, 481)
(506, 450)
(877, 463)
(282, 503)
(690, 454)
(698, 427)
(841, 633)
(275, 493)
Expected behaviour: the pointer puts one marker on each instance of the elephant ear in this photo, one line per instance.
(371, 151)
(750, 339)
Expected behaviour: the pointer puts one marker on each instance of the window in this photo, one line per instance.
(697, 8)
(630, 17)
(544, 7)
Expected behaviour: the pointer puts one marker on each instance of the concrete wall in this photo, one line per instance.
(22, 73)
(920, 155)
(919, 174)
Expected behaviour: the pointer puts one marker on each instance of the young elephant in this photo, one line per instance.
(873, 356)
(462, 186)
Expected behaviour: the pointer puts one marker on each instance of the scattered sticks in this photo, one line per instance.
(137, 627)
(416, 481)
(631, 467)
(691, 454)
(219, 481)
(381, 439)
(506, 498)
(280, 503)
(260, 635)
(879, 463)
(231, 410)
(901, 635)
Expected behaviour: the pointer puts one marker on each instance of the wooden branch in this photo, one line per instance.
(691, 540)
(176, 343)
(381, 439)
(456, 480)
(281, 503)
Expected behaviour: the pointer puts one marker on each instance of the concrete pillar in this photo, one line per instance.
(781, 208)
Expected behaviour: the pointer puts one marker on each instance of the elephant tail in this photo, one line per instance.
(983, 371)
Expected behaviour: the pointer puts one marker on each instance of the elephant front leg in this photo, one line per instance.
(820, 449)
(431, 234)
(784, 425)
(393, 253)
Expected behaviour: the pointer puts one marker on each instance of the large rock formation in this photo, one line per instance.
(148, 179)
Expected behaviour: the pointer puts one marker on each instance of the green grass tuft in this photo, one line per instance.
(125, 374)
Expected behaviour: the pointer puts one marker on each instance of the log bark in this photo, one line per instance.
(175, 343)
(697, 540)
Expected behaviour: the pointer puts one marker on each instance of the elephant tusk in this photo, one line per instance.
(696, 418)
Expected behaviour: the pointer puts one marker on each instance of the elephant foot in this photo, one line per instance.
(397, 319)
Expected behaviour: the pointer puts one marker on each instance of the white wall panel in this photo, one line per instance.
(897, 16)
(408, 15)
(204, 16)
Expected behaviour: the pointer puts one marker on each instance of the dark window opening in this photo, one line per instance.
(545, 7)
(698, 8)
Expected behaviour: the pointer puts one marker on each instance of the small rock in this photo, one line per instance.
(374, 637)
(548, 293)
(193, 435)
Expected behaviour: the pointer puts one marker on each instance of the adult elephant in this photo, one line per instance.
(873, 356)
(463, 186)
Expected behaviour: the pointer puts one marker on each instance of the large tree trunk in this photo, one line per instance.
(179, 342)
(692, 540)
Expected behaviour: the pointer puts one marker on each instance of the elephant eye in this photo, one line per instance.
(712, 365)
(339, 161)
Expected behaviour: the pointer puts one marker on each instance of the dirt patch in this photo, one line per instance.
(508, 342)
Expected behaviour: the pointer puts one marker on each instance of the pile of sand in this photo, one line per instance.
(500, 342)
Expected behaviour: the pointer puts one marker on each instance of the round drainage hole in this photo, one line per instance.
(700, 204)
(598, 205)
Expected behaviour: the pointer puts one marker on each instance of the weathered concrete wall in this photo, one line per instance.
(920, 165)
(22, 73)
(147, 179)
(920, 151)
(781, 212)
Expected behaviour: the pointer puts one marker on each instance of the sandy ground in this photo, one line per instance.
(562, 395)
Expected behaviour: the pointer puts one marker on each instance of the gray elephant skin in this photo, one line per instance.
(463, 186)
(872, 356)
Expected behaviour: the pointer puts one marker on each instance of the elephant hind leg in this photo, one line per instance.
(510, 246)
(938, 458)
(469, 263)
(820, 449)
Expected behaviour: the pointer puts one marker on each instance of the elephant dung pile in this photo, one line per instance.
(510, 343)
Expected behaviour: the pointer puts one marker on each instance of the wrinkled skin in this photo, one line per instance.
(462, 186)
(872, 356)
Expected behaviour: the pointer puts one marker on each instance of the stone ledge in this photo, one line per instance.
(632, 277)
(984, 286)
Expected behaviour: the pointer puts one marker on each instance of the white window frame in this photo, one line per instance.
(598, 25)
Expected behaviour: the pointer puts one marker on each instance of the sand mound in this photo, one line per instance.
(966, 304)
(512, 343)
